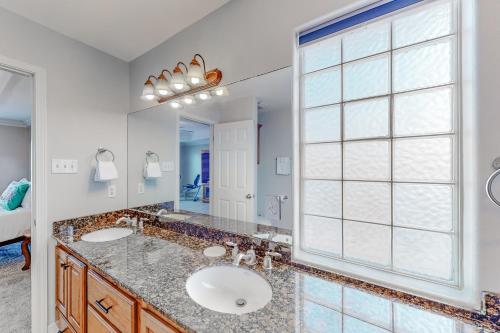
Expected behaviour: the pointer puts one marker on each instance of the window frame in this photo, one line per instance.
(370, 271)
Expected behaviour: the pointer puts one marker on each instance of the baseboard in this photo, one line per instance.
(52, 328)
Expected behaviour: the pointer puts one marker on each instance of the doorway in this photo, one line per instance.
(194, 166)
(36, 307)
(16, 109)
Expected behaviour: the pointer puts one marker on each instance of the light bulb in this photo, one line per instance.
(149, 97)
(175, 105)
(188, 100)
(178, 86)
(203, 96)
(221, 91)
(195, 80)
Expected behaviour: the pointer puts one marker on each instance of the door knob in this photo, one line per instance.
(250, 196)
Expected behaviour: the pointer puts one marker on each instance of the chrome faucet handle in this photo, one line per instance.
(268, 259)
(235, 250)
(251, 257)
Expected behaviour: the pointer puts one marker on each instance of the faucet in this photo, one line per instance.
(131, 222)
(125, 218)
(249, 258)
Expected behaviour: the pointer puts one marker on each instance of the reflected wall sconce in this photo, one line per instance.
(185, 85)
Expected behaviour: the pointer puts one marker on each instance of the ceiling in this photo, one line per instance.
(125, 29)
(16, 98)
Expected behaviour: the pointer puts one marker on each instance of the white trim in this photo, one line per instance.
(202, 120)
(463, 295)
(13, 123)
(39, 224)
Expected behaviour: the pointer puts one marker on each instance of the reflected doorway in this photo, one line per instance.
(194, 166)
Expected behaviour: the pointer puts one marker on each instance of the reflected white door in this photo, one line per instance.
(234, 170)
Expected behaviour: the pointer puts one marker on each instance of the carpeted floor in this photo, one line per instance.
(194, 206)
(15, 291)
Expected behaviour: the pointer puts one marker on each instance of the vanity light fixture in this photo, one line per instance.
(186, 85)
(148, 92)
(162, 85)
(196, 76)
(178, 82)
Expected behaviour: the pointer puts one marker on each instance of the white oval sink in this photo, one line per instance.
(229, 289)
(106, 235)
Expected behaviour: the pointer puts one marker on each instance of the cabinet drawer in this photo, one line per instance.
(151, 324)
(97, 324)
(116, 307)
(62, 324)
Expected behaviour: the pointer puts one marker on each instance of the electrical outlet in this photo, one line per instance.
(112, 191)
(140, 188)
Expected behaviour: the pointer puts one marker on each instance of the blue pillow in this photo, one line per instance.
(14, 194)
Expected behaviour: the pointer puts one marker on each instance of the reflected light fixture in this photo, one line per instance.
(196, 75)
(188, 100)
(148, 92)
(204, 95)
(175, 104)
(220, 91)
(178, 82)
(162, 84)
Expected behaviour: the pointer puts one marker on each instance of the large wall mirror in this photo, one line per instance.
(228, 157)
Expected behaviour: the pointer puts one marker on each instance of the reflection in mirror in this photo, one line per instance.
(224, 162)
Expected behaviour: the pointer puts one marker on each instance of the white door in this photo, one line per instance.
(234, 170)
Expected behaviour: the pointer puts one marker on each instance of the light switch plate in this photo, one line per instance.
(167, 166)
(64, 166)
(140, 188)
(283, 166)
(112, 191)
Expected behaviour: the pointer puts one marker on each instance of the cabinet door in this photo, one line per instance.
(150, 324)
(62, 324)
(77, 298)
(61, 281)
(97, 324)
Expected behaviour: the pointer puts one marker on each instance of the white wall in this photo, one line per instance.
(275, 140)
(486, 140)
(245, 38)
(154, 129)
(87, 103)
(15, 150)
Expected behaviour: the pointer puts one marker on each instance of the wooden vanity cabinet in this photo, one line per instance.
(149, 323)
(88, 302)
(71, 282)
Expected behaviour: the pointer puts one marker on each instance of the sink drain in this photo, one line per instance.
(240, 302)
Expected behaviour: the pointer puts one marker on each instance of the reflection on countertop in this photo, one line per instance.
(248, 229)
(156, 265)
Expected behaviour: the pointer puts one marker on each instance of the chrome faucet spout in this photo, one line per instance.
(240, 256)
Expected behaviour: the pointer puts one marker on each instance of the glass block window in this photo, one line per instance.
(379, 144)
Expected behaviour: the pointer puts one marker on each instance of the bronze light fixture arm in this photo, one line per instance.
(203, 61)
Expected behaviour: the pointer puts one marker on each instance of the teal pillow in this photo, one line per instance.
(14, 194)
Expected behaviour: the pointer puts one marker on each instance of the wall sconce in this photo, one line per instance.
(148, 92)
(186, 84)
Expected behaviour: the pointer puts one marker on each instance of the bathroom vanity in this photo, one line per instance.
(138, 283)
(88, 301)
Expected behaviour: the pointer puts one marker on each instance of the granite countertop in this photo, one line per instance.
(156, 265)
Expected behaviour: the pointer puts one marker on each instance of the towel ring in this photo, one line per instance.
(152, 154)
(491, 178)
(101, 151)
